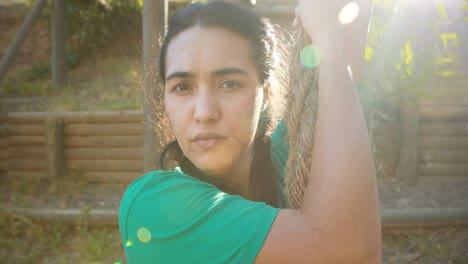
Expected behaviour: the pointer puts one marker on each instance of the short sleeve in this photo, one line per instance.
(170, 217)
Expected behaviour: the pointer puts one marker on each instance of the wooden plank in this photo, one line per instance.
(409, 143)
(104, 141)
(103, 129)
(3, 165)
(3, 154)
(27, 117)
(3, 131)
(438, 179)
(113, 176)
(104, 153)
(445, 129)
(443, 169)
(58, 40)
(26, 129)
(27, 174)
(424, 217)
(19, 141)
(444, 156)
(448, 113)
(444, 142)
(54, 147)
(26, 152)
(3, 143)
(125, 116)
(27, 164)
(105, 165)
(437, 101)
(128, 116)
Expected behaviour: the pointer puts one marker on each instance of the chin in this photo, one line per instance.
(214, 163)
(214, 166)
(213, 170)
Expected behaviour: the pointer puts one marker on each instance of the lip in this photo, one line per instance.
(207, 139)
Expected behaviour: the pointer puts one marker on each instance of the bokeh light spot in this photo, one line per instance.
(144, 235)
(310, 56)
(129, 243)
(118, 262)
(348, 13)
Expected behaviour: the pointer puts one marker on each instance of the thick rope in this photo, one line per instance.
(301, 113)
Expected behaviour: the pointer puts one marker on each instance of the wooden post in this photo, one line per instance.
(54, 147)
(58, 43)
(409, 142)
(154, 20)
(19, 38)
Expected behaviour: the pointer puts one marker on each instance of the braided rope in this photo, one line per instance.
(301, 109)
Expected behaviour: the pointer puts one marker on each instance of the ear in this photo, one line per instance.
(266, 95)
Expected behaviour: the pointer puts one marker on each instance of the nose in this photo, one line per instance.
(206, 107)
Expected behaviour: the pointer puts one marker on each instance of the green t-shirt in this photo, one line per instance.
(171, 217)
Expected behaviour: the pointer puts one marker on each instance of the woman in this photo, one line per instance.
(222, 205)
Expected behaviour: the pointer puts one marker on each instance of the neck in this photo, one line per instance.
(239, 176)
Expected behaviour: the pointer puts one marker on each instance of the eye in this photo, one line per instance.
(180, 88)
(230, 84)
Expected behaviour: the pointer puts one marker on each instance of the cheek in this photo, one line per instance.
(247, 115)
(175, 115)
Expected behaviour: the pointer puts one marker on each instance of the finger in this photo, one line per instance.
(297, 19)
(297, 11)
(295, 23)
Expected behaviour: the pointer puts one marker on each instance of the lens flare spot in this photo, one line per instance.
(310, 56)
(144, 235)
(348, 13)
(128, 244)
(118, 262)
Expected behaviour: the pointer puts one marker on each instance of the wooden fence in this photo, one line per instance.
(428, 141)
(443, 139)
(98, 145)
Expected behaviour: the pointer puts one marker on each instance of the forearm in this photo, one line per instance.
(341, 202)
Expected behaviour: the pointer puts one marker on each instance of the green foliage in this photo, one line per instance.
(93, 24)
(18, 82)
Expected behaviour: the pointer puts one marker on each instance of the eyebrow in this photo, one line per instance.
(231, 70)
(179, 74)
(220, 72)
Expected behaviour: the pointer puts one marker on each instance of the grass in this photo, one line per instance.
(444, 245)
(25, 241)
(111, 83)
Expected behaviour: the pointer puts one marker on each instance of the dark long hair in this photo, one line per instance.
(268, 55)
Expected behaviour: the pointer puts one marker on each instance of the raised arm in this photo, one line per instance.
(339, 221)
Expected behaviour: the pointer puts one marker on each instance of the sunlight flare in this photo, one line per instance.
(348, 13)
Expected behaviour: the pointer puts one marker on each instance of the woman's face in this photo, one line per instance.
(213, 98)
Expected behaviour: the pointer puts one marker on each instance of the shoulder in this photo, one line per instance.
(164, 212)
(161, 181)
(159, 192)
